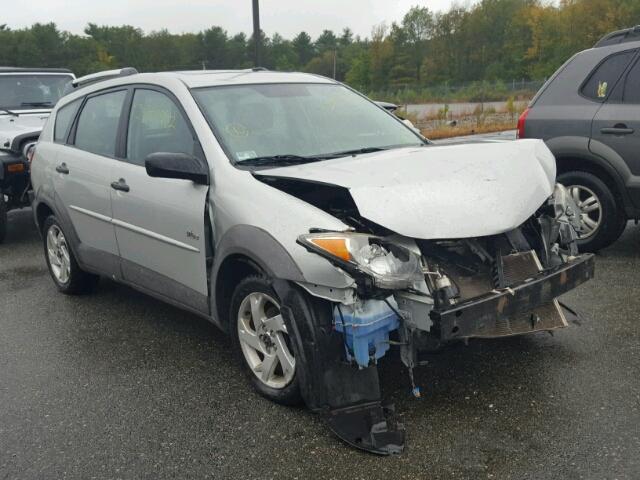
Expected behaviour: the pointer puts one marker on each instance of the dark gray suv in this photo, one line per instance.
(588, 113)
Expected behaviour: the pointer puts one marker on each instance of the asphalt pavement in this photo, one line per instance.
(119, 385)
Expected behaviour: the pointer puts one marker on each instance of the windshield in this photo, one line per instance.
(281, 121)
(29, 91)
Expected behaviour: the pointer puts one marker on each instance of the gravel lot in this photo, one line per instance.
(119, 385)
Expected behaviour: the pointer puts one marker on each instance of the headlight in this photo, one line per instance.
(390, 266)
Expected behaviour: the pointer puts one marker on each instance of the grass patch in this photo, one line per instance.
(448, 132)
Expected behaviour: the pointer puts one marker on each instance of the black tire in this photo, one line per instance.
(79, 281)
(613, 217)
(286, 395)
(3, 218)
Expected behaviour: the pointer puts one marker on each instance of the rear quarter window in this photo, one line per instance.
(604, 77)
(64, 118)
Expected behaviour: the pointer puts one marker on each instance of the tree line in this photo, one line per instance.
(490, 40)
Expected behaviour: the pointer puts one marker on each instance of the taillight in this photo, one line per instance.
(521, 123)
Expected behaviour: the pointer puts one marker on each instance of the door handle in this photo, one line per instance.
(120, 185)
(617, 129)
(62, 168)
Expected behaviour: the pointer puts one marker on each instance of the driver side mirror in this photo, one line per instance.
(176, 165)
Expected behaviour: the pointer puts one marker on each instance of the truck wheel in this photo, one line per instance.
(602, 219)
(63, 266)
(3, 217)
(262, 342)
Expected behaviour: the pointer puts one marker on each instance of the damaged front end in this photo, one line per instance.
(419, 294)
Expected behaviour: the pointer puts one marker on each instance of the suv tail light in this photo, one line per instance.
(521, 122)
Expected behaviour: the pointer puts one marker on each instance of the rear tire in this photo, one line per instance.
(603, 216)
(3, 218)
(261, 341)
(63, 266)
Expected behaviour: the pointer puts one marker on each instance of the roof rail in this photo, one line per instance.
(619, 36)
(97, 77)
(105, 75)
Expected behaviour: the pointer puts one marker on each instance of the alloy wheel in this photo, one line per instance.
(58, 253)
(264, 340)
(590, 209)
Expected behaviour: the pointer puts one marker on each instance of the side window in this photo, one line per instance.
(156, 125)
(632, 86)
(98, 123)
(605, 76)
(64, 117)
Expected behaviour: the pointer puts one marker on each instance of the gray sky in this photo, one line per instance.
(287, 17)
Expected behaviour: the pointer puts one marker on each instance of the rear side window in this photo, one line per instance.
(632, 86)
(606, 75)
(98, 123)
(156, 125)
(64, 117)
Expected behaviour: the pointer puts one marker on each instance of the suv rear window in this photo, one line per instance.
(64, 117)
(98, 123)
(605, 76)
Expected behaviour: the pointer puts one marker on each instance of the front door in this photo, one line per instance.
(160, 223)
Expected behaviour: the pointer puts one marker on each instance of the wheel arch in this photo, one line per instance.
(600, 169)
(246, 250)
(583, 154)
(232, 270)
(41, 212)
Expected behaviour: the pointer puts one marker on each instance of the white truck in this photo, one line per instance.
(27, 96)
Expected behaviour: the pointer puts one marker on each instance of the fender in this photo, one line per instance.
(261, 248)
(80, 251)
(609, 156)
(581, 148)
(19, 139)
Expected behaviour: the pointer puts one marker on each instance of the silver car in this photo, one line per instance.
(312, 225)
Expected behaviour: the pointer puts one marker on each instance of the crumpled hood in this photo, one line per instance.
(458, 191)
(12, 126)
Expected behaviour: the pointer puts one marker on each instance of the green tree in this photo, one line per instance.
(303, 47)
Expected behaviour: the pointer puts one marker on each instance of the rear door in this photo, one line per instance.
(82, 172)
(617, 123)
(160, 223)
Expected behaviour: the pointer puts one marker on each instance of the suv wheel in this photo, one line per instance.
(63, 267)
(262, 342)
(602, 220)
(3, 217)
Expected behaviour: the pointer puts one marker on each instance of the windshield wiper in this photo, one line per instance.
(287, 159)
(356, 151)
(36, 104)
(9, 112)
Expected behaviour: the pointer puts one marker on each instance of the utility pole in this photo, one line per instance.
(335, 55)
(256, 33)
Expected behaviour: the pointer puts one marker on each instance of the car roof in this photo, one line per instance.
(210, 78)
(34, 70)
(196, 79)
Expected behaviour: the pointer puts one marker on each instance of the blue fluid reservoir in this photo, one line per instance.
(366, 326)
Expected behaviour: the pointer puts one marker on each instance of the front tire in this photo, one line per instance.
(3, 218)
(261, 341)
(63, 266)
(602, 219)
